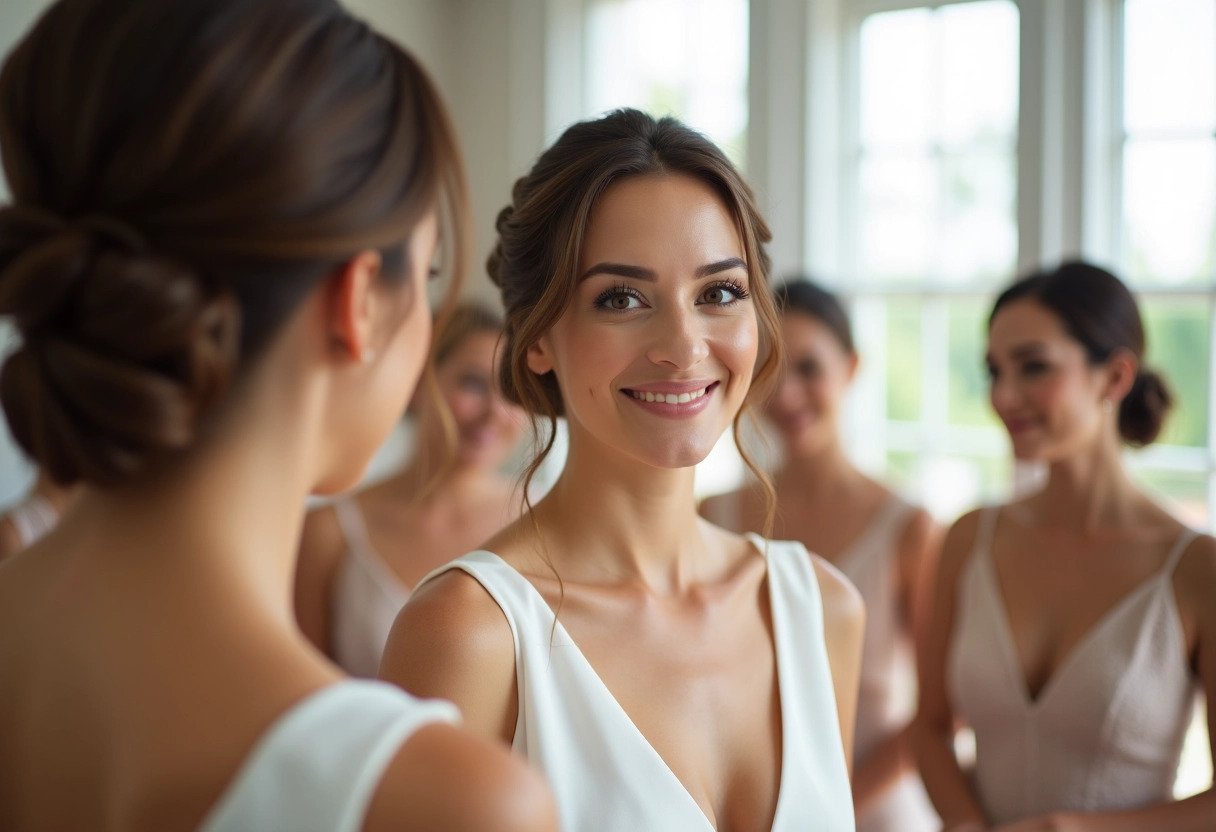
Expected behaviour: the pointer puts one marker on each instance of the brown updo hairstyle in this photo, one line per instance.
(540, 238)
(183, 175)
(1100, 313)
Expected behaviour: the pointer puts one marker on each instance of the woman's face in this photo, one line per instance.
(488, 426)
(655, 353)
(1042, 385)
(806, 403)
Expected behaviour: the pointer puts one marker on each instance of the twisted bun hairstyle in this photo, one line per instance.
(184, 174)
(540, 236)
(1100, 313)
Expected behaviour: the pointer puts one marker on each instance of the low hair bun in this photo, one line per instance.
(1143, 410)
(120, 349)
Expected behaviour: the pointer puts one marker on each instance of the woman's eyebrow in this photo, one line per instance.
(642, 273)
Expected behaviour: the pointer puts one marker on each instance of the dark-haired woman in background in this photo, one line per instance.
(216, 252)
(1070, 628)
(361, 556)
(884, 545)
(627, 647)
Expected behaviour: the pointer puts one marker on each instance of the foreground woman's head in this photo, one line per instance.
(185, 176)
(632, 268)
(1065, 355)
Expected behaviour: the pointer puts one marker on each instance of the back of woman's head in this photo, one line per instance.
(540, 234)
(183, 175)
(1100, 313)
(804, 297)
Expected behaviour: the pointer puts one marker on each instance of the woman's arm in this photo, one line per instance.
(933, 729)
(321, 549)
(451, 641)
(844, 627)
(1195, 589)
(916, 560)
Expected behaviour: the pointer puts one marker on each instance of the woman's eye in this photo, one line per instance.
(807, 368)
(723, 294)
(1031, 368)
(619, 299)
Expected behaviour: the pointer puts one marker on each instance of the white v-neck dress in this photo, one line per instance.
(605, 775)
(1106, 732)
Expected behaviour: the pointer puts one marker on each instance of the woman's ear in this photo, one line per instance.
(1120, 371)
(352, 312)
(540, 356)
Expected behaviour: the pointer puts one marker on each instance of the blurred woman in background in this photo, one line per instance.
(1070, 628)
(223, 218)
(360, 556)
(883, 544)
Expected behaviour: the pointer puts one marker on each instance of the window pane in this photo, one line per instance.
(1178, 335)
(897, 77)
(903, 360)
(979, 232)
(968, 380)
(1169, 199)
(686, 58)
(979, 72)
(939, 98)
(1170, 65)
(949, 485)
(899, 211)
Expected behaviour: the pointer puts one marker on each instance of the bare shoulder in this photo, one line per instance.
(453, 608)
(960, 541)
(1195, 577)
(444, 780)
(843, 609)
(452, 640)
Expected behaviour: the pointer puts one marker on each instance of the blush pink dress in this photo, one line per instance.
(1106, 732)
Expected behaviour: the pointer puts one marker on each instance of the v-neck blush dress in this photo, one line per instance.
(366, 597)
(605, 775)
(886, 701)
(1106, 732)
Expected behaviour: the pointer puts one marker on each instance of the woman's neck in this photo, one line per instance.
(1090, 488)
(817, 472)
(222, 522)
(623, 520)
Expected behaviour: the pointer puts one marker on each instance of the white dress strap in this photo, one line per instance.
(33, 518)
(318, 766)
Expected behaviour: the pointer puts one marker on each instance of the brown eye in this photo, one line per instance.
(715, 296)
(620, 302)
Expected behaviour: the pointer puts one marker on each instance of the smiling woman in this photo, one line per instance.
(626, 647)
